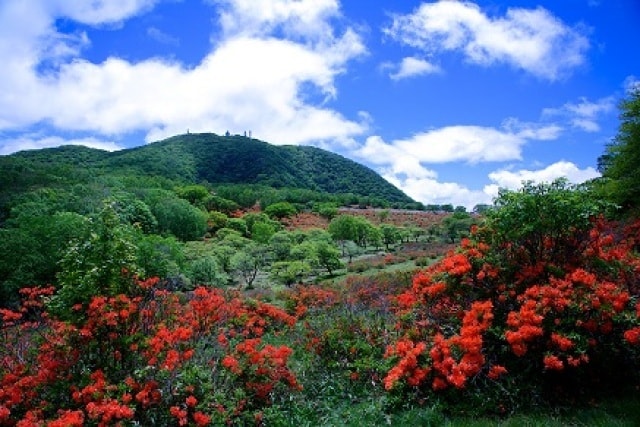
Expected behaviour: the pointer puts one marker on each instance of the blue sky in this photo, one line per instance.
(447, 100)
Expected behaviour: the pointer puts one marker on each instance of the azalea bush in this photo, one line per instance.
(153, 357)
(538, 305)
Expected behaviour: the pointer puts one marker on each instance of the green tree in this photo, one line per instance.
(215, 221)
(280, 244)
(249, 261)
(102, 264)
(238, 224)
(223, 254)
(542, 222)
(326, 210)
(280, 210)
(135, 212)
(159, 256)
(327, 256)
(217, 203)
(351, 249)
(288, 273)
(261, 232)
(180, 218)
(31, 250)
(390, 235)
(383, 215)
(206, 271)
(195, 194)
(374, 237)
(349, 227)
(619, 164)
(457, 226)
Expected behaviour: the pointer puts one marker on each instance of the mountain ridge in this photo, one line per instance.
(203, 157)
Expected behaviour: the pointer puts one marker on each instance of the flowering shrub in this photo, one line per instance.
(547, 314)
(150, 358)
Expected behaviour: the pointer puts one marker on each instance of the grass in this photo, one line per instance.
(342, 412)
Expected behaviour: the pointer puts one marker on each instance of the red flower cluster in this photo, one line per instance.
(120, 361)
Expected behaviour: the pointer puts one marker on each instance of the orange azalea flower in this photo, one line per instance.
(552, 362)
(633, 335)
(496, 371)
(201, 419)
(563, 343)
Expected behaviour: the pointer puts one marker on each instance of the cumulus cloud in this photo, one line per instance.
(250, 80)
(405, 162)
(426, 188)
(460, 143)
(514, 179)
(532, 40)
(432, 191)
(296, 18)
(583, 114)
(411, 66)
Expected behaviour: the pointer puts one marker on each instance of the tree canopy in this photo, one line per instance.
(619, 163)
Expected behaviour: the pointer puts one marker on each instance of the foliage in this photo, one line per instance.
(280, 210)
(457, 225)
(216, 221)
(195, 194)
(547, 219)
(288, 273)
(31, 250)
(102, 264)
(249, 261)
(327, 210)
(619, 163)
(494, 326)
(327, 256)
(181, 219)
(350, 227)
(206, 271)
(262, 232)
(158, 256)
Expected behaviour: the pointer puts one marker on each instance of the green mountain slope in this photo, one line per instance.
(195, 158)
(237, 159)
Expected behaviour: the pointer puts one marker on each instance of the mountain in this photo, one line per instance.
(196, 158)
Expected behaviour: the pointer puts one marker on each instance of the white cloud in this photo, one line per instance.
(162, 37)
(96, 11)
(297, 18)
(410, 67)
(431, 191)
(532, 40)
(401, 162)
(513, 180)
(471, 144)
(249, 81)
(583, 114)
(425, 187)
(25, 142)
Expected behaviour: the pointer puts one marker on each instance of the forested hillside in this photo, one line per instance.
(197, 158)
